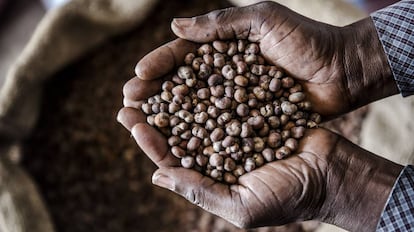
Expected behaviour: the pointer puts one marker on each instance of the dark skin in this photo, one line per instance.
(329, 179)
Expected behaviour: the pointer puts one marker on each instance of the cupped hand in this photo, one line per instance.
(328, 179)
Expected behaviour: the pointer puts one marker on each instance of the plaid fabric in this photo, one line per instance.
(395, 27)
(398, 214)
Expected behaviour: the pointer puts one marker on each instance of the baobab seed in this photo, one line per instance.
(268, 154)
(201, 117)
(216, 174)
(285, 134)
(300, 122)
(201, 160)
(162, 120)
(187, 161)
(229, 178)
(259, 92)
(217, 91)
(297, 132)
(252, 48)
(216, 160)
(242, 110)
(186, 135)
(249, 164)
(233, 128)
(274, 122)
(232, 49)
(284, 119)
(296, 97)
(167, 86)
(239, 171)
(288, 108)
(259, 144)
(246, 130)
(240, 95)
(208, 59)
(205, 49)
(241, 80)
(215, 79)
(151, 120)
(174, 140)
(185, 72)
(223, 103)
(208, 151)
(177, 151)
(211, 124)
(180, 90)
(288, 82)
(219, 60)
(258, 159)
(292, 144)
(267, 110)
(147, 108)
(241, 45)
(315, 117)
(282, 152)
(193, 144)
(256, 122)
(217, 135)
(274, 140)
(220, 46)
(228, 141)
(228, 72)
(229, 164)
(224, 118)
(241, 67)
(296, 88)
(264, 131)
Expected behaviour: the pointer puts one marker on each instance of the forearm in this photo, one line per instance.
(368, 72)
(360, 183)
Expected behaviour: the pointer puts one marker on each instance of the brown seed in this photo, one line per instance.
(256, 122)
(297, 132)
(288, 108)
(247, 145)
(287, 82)
(259, 144)
(258, 69)
(213, 111)
(187, 161)
(241, 80)
(284, 119)
(174, 120)
(268, 154)
(208, 151)
(228, 141)
(258, 159)
(296, 88)
(229, 164)
(267, 110)
(246, 130)
(282, 152)
(292, 144)
(228, 72)
(188, 60)
(180, 90)
(259, 92)
(185, 72)
(177, 151)
(249, 164)
(167, 86)
(174, 140)
(219, 60)
(150, 120)
(223, 103)
(252, 48)
(201, 160)
(147, 108)
(241, 66)
(240, 95)
(208, 60)
(275, 84)
(217, 91)
(232, 49)
(200, 107)
(274, 140)
(239, 171)
(177, 80)
(211, 124)
(216, 160)
(233, 128)
(215, 79)
(285, 134)
(216, 174)
(315, 117)
(264, 131)
(253, 103)
(229, 178)
(220, 46)
(296, 97)
(193, 144)
(241, 45)
(204, 72)
(274, 122)
(201, 117)
(162, 120)
(217, 135)
(305, 105)
(224, 118)
(186, 135)
(205, 49)
(242, 110)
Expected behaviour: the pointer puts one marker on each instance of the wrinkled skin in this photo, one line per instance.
(303, 186)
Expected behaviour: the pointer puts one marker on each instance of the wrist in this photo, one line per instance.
(368, 73)
(359, 184)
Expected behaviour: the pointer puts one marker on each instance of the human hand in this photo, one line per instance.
(328, 179)
(340, 68)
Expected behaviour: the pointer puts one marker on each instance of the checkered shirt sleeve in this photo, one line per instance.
(395, 27)
(398, 214)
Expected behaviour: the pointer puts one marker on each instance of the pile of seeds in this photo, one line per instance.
(226, 112)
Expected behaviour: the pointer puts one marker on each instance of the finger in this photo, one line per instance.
(154, 144)
(128, 117)
(230, 23)
(137, 89)
(164, 59)
(215, 197)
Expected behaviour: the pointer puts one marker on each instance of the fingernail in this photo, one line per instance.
(163, 181)
(182, 22)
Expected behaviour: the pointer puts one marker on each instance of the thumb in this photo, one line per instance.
(230, 23)
(217, 198)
